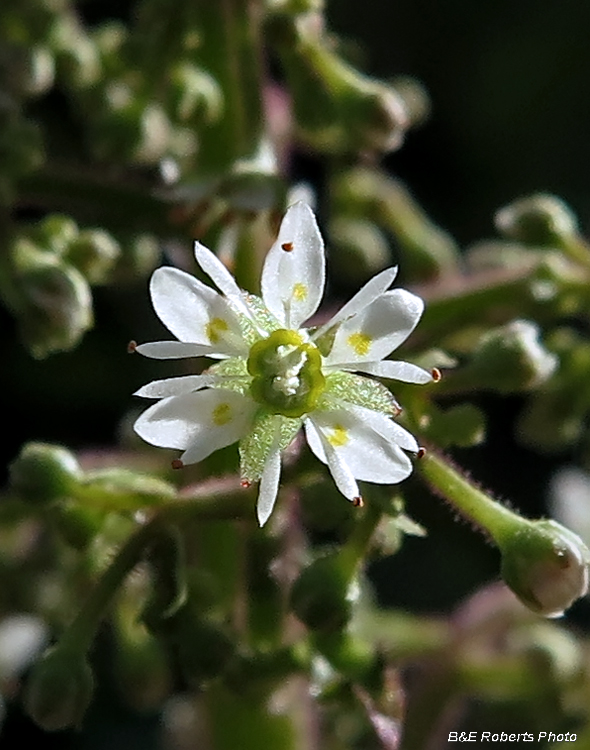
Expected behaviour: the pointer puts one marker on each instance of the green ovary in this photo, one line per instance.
(287, 375)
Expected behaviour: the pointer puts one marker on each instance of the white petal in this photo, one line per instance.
(198, 423)
(367, 454)
(194, 312)
(371, 290)
(341, 473)
(378, 329)
(293, 279)
(404, 371)
(175, 350)
(384, 426)
(176, 386)
(221, 277)
(269, 486)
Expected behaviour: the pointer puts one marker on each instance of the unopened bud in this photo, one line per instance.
(44, 473)
(196, 95)
(93, 252)
(414, 97)
(59, 690)
(546, 565)
(509, 359)
(537, 220)
(337, 109)
(55, 233)
(52, 300)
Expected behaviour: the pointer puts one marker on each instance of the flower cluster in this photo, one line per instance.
(275, 376)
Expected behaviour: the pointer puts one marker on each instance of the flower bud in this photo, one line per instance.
(44, 473)
(196, 97)
(51, 299)
(337, 109)
(39, 71)
(508, 359)
(76, 54)
(540, 219)
(59, 690)
(322, 596)
(546, 565)
(55, 232)
(94, 253)
(414, 97)
(127, 127)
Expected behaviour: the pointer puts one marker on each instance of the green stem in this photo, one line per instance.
(231, 53)
(81, 632)
(471, 502)
(216, 500)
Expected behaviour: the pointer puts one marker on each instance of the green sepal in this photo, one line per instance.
(360, 391)
(269, 430)
(235, 366)
(262, 315)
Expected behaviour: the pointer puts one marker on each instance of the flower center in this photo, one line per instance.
(286, 373)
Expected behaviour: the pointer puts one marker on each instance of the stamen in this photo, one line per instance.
(177, 464)
(287, 247)
(131, 347)
(436, 374)
(358, 502)
(421, 453)
(245, 484)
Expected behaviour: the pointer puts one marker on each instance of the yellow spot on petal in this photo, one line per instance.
(339, 436)
(222, 414)
(360, 342)
(214, 327)
(299, 292)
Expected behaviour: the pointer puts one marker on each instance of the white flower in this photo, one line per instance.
(274, 375)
